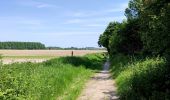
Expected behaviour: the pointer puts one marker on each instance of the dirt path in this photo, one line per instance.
(100, 87)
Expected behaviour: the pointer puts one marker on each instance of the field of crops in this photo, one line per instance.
(60, 78)
(11, 56)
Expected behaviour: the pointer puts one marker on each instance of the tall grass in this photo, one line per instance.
(60, 78)
(0, 59)
(140, 79)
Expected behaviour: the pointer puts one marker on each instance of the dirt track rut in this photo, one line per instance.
(100, 87)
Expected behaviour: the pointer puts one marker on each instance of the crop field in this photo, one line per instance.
(11, 56)
(61, 78)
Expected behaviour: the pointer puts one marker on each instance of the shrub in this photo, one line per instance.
(144, 80)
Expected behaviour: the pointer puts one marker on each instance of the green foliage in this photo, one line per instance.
(118, 62)
(141, 79)
(21, 45)
(0, 59)
(53, 79)
(132, 12)
(74, 48)
(146, 29)
(125, 38)
(122, 38)
(145, 33)
(104, 38)
(155, 22)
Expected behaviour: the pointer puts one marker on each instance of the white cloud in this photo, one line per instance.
(19, 21)
(36, 4)
(74, 21)
(124, 5)
(95, 20)
(87, 33)
(92, 13)
(96, 25)
(45, 6)
(114, 10)
(79, 14)
(108, 19)
(121, 7)
(30, 22)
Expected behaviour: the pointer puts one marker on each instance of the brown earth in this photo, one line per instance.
(47, 52)
(11, 56)
(100, 87)
(10, 61)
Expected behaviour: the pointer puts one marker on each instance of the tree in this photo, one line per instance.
(125, 39)
(155, 22)
(105, 37)
(21, 45)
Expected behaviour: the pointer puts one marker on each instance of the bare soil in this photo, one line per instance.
(12, 56)
(100, 87)
(47, 52)
(10, 61)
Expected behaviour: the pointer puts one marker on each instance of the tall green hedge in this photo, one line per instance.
(145, 33)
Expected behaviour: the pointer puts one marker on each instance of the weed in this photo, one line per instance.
(61, 78)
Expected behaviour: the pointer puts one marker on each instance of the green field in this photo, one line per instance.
(59, 78)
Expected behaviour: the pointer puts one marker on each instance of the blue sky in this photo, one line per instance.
(62, 23)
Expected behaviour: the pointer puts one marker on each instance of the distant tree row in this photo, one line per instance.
(75, 48)
(21, 45)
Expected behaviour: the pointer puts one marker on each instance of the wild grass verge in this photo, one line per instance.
(141, 78)
(60, 78)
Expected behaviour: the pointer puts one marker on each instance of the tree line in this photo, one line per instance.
(74, 48)
(38, 45)
(146, 29)
(145, 34)
(22, 45)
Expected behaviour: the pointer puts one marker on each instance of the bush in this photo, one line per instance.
(146, 34)
(126, 38)
(118, 64)
(144, 80)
